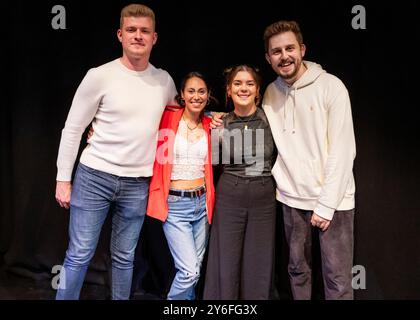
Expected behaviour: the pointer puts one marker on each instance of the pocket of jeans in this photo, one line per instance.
(172, 198)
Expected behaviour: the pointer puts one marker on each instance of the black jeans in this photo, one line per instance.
(241, 250)
(336, 245)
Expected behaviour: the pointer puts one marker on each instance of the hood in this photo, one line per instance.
(311, 74)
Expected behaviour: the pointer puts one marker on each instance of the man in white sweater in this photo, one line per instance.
(124, 99)
(310, 117)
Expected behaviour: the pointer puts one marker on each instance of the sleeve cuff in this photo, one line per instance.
(324, 211)
(64, 175)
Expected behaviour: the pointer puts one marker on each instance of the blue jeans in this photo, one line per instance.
(186, 230)
(93, 194)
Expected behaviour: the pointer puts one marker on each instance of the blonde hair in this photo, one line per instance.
(137, 10)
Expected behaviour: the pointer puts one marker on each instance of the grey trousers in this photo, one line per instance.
(336, 245)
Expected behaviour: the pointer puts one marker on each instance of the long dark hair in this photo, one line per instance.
(195, 74)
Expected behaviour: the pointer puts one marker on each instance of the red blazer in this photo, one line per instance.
(159, 186)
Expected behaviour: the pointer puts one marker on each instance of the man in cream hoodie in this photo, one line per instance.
(310, 117)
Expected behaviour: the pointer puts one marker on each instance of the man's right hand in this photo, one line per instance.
(63, 193)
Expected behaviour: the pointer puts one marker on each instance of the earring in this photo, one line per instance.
(182, 102)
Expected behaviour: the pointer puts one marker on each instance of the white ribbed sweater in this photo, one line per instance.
(125, 108)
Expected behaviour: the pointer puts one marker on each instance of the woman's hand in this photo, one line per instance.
(90, 134)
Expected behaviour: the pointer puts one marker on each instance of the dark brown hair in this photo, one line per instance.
(231, 72)
(194, 74)
(281, 27)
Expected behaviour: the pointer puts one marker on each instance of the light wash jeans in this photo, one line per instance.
(186, 230)
(93, 194)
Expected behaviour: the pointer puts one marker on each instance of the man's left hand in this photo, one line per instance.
(216, 119)
(319, 222)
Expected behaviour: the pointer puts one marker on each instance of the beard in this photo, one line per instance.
(297, 64)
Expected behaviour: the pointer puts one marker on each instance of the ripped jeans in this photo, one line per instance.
(186, 230)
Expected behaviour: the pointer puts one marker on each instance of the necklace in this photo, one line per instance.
(195, 136)
(247, 121)
(192, 129)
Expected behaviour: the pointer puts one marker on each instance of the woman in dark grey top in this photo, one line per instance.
(241, 249)
(257, 150)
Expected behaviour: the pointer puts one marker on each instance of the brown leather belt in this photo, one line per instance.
(187, 193)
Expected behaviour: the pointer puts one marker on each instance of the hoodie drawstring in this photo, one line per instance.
(284, 109)
(294, 109)
(312, 73)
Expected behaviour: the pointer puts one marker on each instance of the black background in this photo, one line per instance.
(42, 67)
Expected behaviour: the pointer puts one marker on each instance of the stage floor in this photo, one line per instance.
(14, 287)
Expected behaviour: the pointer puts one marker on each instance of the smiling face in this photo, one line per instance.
(195, 94)
(243, 90)
(137, 36)
(285, 55)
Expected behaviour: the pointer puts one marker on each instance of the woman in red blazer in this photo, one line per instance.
(181, 192)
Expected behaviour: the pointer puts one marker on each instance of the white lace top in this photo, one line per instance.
(189, 157)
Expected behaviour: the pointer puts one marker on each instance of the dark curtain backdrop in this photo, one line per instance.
(42, 67)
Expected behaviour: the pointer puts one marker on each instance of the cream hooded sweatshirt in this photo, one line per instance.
(312, 127)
